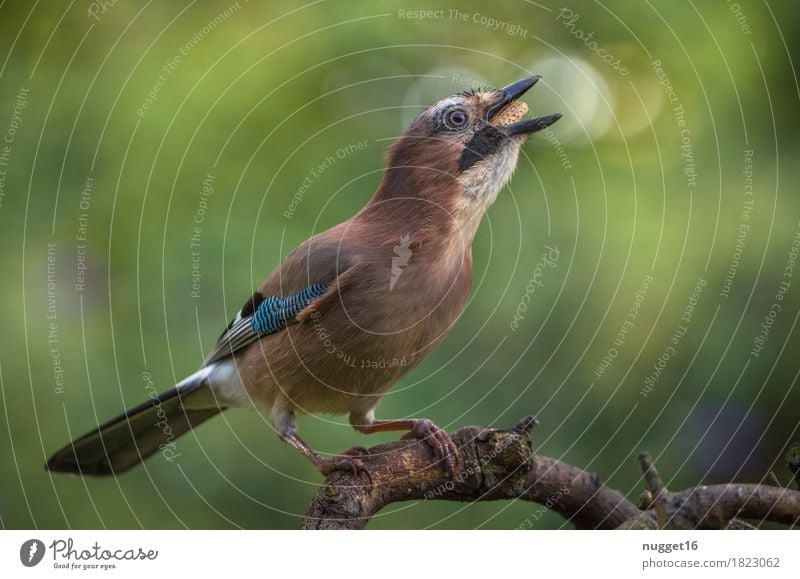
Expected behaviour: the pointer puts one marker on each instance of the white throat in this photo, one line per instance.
(481, 184)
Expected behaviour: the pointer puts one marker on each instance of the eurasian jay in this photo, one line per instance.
(352, 309)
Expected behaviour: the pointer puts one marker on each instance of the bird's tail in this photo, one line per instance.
(128, 439)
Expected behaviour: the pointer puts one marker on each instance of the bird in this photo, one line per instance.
(353, 309)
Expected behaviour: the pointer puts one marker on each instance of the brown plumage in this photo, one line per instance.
(397, 276)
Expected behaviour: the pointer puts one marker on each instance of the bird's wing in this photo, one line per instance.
(310, 278)
(264, 315)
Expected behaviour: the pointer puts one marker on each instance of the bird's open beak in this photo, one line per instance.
(511, 93)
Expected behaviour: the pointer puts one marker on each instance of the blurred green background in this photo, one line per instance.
(676, 161)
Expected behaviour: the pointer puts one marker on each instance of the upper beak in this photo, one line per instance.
(513, 92)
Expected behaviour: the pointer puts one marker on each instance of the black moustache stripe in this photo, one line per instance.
(482, 144)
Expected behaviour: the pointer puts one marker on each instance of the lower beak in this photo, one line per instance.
(513, 92)
(530, 126)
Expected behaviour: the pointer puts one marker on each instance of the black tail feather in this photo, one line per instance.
(128, 439)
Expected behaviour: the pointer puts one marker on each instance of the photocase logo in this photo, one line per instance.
(402, 253)
(31, 552)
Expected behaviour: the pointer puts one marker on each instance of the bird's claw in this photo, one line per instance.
(347, 462)
(357, 451)
(439, 440)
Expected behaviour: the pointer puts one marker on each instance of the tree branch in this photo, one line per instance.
(714, 506)
(499, 464)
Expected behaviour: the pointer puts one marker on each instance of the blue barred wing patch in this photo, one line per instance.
(270, 315)
(275, 313)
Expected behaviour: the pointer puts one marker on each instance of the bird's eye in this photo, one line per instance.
(455, 119)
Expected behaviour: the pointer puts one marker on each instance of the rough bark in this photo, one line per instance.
(499, 464)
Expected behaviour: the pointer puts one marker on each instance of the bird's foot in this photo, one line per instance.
(438, 439)
(349, 461)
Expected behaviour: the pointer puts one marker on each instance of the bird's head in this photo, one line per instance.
(458, 153)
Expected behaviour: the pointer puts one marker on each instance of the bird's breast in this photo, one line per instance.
(412, 290)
